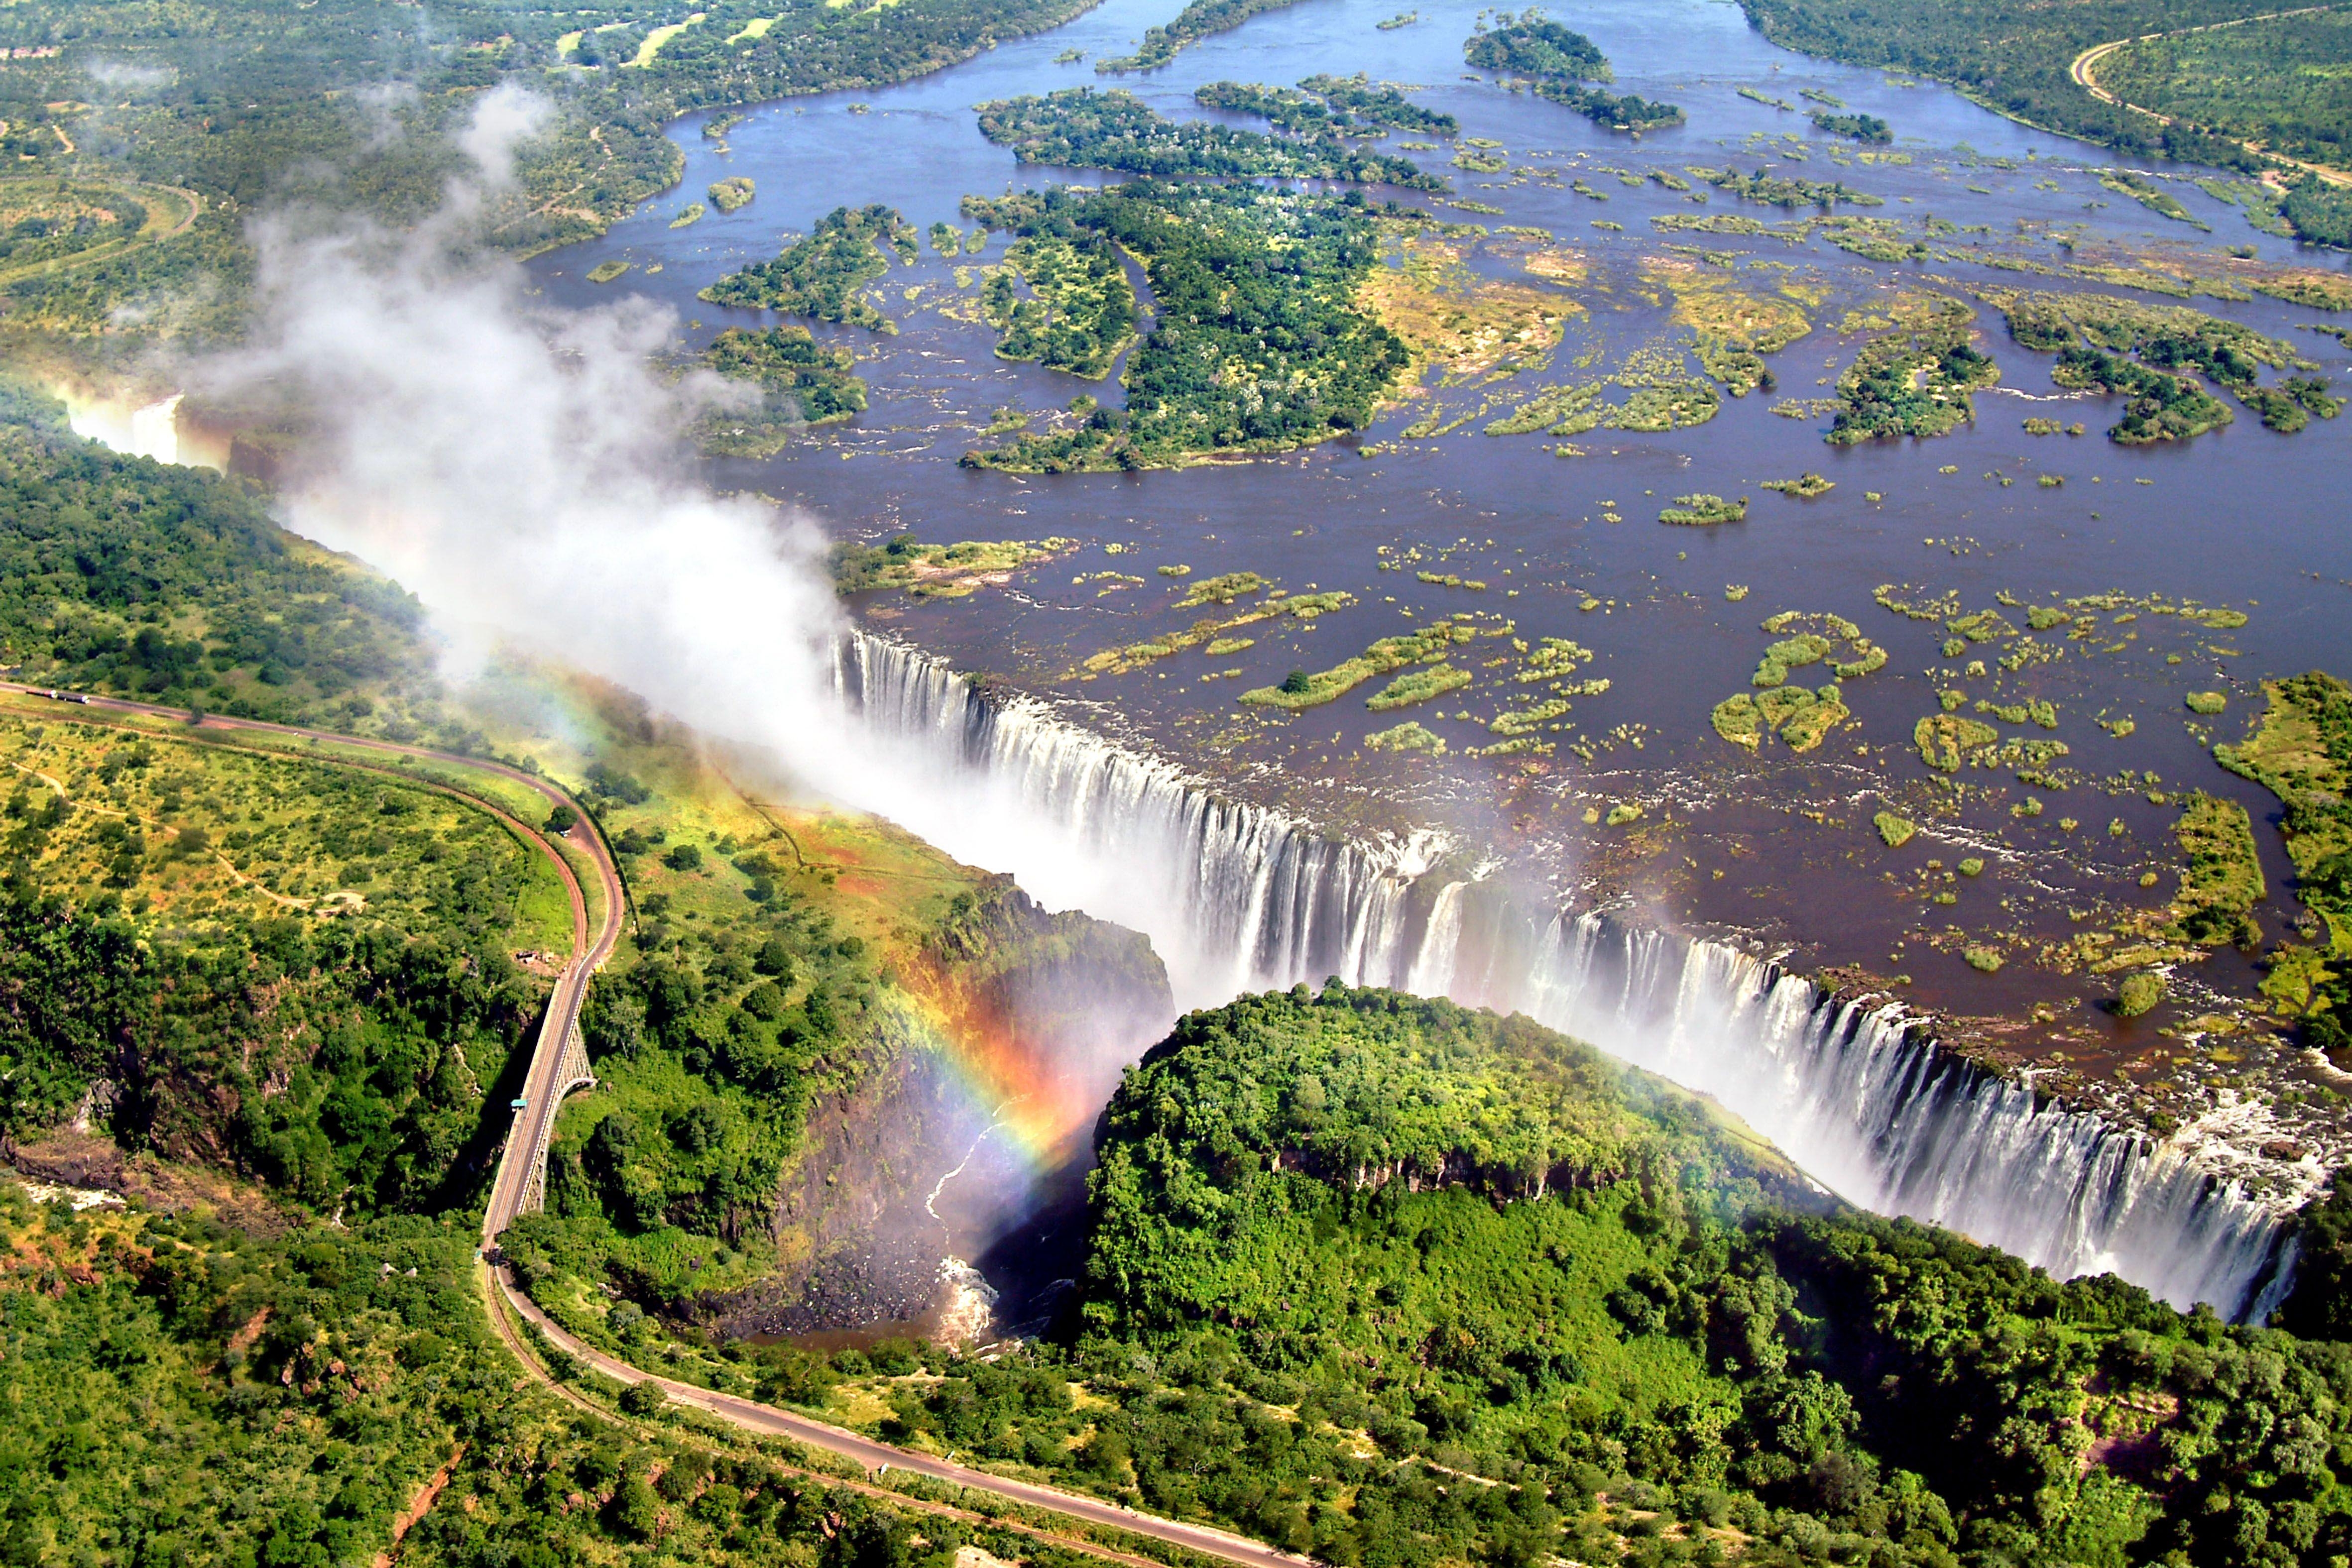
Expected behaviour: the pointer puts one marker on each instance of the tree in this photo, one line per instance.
(642, 1399)
(561, 819)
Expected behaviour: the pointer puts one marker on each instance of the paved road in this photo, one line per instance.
(525, 1139)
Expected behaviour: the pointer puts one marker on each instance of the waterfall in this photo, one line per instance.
(1239, 898)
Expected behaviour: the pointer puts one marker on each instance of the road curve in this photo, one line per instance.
(753, 1417)
(2085, 72)
(589, 953)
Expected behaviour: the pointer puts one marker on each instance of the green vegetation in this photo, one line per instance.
(1535, 48)
(2149, 195)
(2207, 701)
(688, 216)
(824, 275)
(1785, 189)
(1084, 128)
(732, 194)
(1945, 740)
(1866, 128)
(2278, 83)
(2165, 340)
(1223, 591)
(359, 106)
(1704, 510)
(2163, 407)
(1408, 736)
(1522, 1303)
(1081, 312)
(1199, 19)
(2138, 994)
(1326, 104)
(1258, 344)
(1418, 686)
(607, 271)
(1892, 830)
(175, 585)
(2319, 212)
(165, 891)
(1915, 378)
(1368, 102)
(1804, 487)
(2223, 878)
(2015, 55)
(1611, 111)
(2301, 750)
(938, 571)
(1428, 646)
(801, 382)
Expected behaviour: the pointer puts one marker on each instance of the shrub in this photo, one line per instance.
(561, 819)
(1895, 831)
(642, 1399)
(684, 857)
(2139, 993)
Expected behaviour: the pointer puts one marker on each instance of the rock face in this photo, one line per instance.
(972, 1117)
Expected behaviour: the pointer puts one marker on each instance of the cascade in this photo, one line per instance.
(1238, 898)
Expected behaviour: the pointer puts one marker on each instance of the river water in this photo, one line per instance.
(1775, 850)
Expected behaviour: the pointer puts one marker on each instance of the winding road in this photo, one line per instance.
(2085, 71)
(527, 1142)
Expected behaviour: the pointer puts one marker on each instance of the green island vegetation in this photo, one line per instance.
(1914, 376)
(1802, 718)
(2277, 83)
(1611, 111)
(2089, 334)
(1198, 20)
(1894, 830)
(1785, 190)
(1401, 19)
(938, 571)
(2300, 749)
(2221, 873)
(2162, 407)
(1087, 128)
(689, 215)
(1660, 393)
(732, 194)
(801, 382)
(1536, 48)
(1866, 128)
(1326, 104)
(1225, 592)
(608, 271)
(1370, 102)
(2138, 994)
(1735, 325)
(1560, 63)
(1702, 509)
(1081, 311)
(1430, 646)
(2151, 195)
(824, 275)
(1409, 737)
(1755, 95)
(1257, 344)
(2017, 56)
(1804, 487)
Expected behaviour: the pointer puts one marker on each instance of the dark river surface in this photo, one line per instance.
(1778, 847)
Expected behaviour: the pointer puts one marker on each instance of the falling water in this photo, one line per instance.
(1241, 898)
